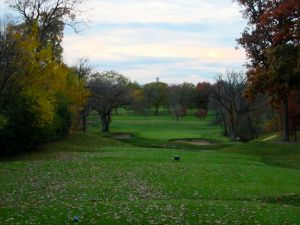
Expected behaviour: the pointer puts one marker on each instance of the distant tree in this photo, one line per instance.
(233, 109)
(272, 30)
(155, 95)
(203, 93)
(137, 104)
(181, 99)
(187, 95)
(174, 101)
(109, 90)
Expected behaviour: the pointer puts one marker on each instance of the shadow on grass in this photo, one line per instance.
(273, 154)
(286, 199)
(77, 142)
(138, 141)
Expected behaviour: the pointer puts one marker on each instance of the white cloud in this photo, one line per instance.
(125, 33)
(123, 44)
(166, 11)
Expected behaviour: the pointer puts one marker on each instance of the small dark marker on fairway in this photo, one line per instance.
(177, 158)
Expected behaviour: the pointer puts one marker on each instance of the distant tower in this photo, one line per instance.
(157, 79)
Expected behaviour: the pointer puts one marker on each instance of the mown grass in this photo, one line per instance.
(105, 181)
(159, 131)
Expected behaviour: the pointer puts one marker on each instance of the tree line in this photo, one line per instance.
(239, 118)
(43, 99)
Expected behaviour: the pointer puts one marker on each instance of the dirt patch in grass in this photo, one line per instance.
(198, 142)
(122, 136)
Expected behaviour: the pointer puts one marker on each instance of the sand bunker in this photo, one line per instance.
(193, 141)
(122, 136)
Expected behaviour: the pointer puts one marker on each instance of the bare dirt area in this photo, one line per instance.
(194, 141)
(122, 136)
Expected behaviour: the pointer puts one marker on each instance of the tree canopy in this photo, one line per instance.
(271, 40)
(109, 91)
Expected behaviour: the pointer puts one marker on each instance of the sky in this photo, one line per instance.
(175, 40)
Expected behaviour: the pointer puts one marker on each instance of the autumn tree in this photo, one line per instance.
(272, 30)
(51, 17)
(109, 90)
(83, 70)
(40, 96)
(294, 115)
(203, 93)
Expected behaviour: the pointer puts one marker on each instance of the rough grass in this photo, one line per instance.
(104, 181)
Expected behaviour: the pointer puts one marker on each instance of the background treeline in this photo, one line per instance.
(240, 118)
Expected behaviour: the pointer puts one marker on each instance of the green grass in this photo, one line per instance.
(157, 131)
(105, 181)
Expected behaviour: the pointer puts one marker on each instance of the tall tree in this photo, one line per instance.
(51, 17)
(109, 90)
(228, 93)
(238, 116)
(83, 70)
(40, 97)
(273, 26)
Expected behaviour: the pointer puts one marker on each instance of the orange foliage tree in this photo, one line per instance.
(271, 40)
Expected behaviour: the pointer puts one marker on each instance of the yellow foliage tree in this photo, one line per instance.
(41, 98)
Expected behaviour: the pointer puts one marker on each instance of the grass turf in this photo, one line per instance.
(105, 181)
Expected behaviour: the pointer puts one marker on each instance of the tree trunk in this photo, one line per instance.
(84, 121)
(285, 121)
(105, 123)
(232, 128)
(83, 118)
(156, 110)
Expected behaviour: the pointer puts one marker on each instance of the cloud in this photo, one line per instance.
(150, 42)
(145, 53)
(168, 11)
(177, 40)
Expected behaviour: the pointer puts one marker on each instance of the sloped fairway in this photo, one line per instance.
(163, 132)
(107, 182)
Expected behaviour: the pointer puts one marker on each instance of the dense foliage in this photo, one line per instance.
(271, 40)
(40, 96)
